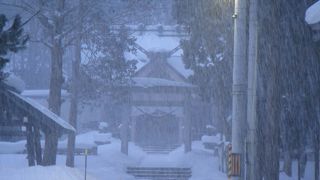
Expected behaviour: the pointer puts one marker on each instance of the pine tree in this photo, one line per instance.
(11, 40)
(208, 51)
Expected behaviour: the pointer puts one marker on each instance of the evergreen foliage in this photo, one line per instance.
(107, 67)
(208, 52)
(11, 40)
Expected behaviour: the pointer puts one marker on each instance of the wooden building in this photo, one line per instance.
(23, 118)
(160, 110)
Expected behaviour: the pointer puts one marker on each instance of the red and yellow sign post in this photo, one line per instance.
(234, 163)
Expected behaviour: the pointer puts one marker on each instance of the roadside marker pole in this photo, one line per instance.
(85, 163)
(229, 161)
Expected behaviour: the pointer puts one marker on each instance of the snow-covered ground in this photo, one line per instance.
(309, 172)
(110, 163)
(41, 173)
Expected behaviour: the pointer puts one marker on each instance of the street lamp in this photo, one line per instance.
(313, 19)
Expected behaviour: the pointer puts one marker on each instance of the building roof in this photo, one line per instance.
(43, 112)
(41, 93)
(43, 116)
(154, 41)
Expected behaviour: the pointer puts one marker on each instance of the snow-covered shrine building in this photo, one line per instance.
(162, 110)
(162, 103)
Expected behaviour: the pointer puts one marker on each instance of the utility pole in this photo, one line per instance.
(239, 89)
(251, 165)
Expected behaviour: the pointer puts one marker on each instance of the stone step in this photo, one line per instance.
(160, 173)
(159, 149)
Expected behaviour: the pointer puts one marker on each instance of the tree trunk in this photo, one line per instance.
(56, 80)
(74, 104)
(252, 170)
(287, 167)
(50, 147)
(272, 132)
(269, 58)
(124, 128)
(316, 156)
(74, 93)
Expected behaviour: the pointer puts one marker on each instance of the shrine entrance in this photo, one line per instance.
(157, 130)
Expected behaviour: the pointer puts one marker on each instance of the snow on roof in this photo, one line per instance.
(139, 56)
(177, 63)
(15, 82)
(52, 116)
(313, 13)
(152, 41)
(147, 82)
(41, 93)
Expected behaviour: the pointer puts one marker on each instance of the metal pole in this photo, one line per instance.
(239, 100)
(251, 168)
(85, 164)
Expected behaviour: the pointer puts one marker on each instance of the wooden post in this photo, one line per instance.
(37, 144)
(124, 128)
(181, 130)
(133, 129)
(187, 125)
(30, 142)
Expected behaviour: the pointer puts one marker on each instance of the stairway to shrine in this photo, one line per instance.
(160, 173)
(159, 149)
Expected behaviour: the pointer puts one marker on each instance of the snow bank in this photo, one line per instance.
(83, 141)
(87, 140)
(12, 147)
(212, 139)
(41, 173)
(313, 13)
